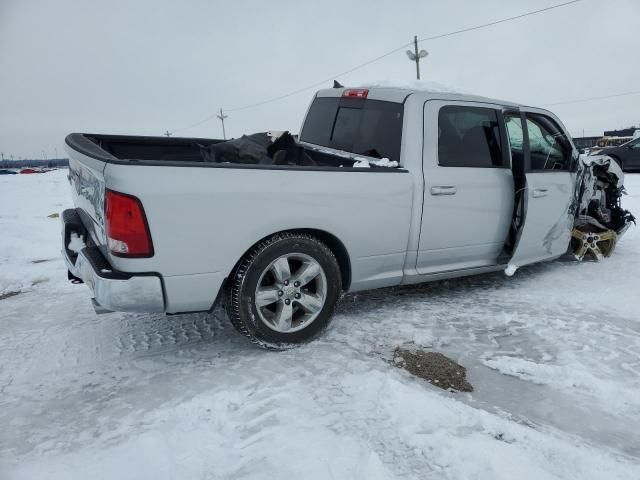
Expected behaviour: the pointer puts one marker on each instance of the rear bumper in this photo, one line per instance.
(112, 290)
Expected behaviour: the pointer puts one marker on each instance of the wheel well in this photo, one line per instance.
(617, 159)
(338, 249)
(331, 241)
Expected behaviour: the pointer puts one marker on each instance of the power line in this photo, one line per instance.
(324, 81)
(582, 100)
(195, 124)
(380, 57)
(497, 22)
(401, 47)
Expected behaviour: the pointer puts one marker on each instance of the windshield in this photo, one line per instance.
(363, 127)
(635, 143)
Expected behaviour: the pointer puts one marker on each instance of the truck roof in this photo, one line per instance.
(397, 91)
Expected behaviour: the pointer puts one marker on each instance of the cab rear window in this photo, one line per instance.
(364, 127)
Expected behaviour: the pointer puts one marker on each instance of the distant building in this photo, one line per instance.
(625, 132)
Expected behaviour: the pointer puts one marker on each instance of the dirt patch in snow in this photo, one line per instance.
(8, 295)
(433, 367)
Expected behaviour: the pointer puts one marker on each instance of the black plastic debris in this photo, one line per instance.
(258, 148)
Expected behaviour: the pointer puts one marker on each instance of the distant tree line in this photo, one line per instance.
(52, 162)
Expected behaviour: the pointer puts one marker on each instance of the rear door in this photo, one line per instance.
(549, 160)
(468, 194)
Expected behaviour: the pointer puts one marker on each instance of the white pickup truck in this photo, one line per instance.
(385, 186)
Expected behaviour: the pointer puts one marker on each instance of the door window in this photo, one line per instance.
(469, 137)
(548, 145)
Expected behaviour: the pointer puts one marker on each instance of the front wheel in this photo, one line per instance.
(284, 290)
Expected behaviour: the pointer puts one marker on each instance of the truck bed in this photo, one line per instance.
(176, 151)
(203, 217)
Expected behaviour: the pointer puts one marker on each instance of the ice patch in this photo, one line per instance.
(537, 373)
(570, 376)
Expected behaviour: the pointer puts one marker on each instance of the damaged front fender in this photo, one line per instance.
(599, 219)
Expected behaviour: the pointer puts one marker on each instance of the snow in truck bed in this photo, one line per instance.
(413, 85)
(553, 354)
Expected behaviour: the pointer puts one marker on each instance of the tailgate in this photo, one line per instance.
(86, 176)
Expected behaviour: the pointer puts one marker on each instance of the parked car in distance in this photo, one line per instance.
(627, 155)
(29, 170)
(386, 186)
(6, 171)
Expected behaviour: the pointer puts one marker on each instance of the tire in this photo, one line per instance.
(262, 292)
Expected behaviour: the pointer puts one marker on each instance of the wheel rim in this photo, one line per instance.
(291, 292)
(587, 240)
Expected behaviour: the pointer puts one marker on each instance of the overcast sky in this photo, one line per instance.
(143, 67)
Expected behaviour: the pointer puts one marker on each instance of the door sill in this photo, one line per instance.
(417, 277)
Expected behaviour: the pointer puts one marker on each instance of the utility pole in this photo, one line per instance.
(2, 156)
(167, 133)
(222, 116)
(416, 55)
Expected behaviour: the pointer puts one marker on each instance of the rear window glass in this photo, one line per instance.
(469, 137)
(363, 127)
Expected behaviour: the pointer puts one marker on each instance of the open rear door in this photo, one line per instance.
(544, 217)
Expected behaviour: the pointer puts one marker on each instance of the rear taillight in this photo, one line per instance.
(127, 229)
(355, 93)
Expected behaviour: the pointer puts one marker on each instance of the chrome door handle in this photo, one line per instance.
(444, 190)
(539, 192)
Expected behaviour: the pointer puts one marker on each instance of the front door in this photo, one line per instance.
(468, 187)
(549, 158)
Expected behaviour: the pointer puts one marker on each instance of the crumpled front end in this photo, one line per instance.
(600, 220)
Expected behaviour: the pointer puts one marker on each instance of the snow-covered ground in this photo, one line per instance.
(553, 354)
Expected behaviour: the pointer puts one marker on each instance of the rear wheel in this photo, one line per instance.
(284, 290)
